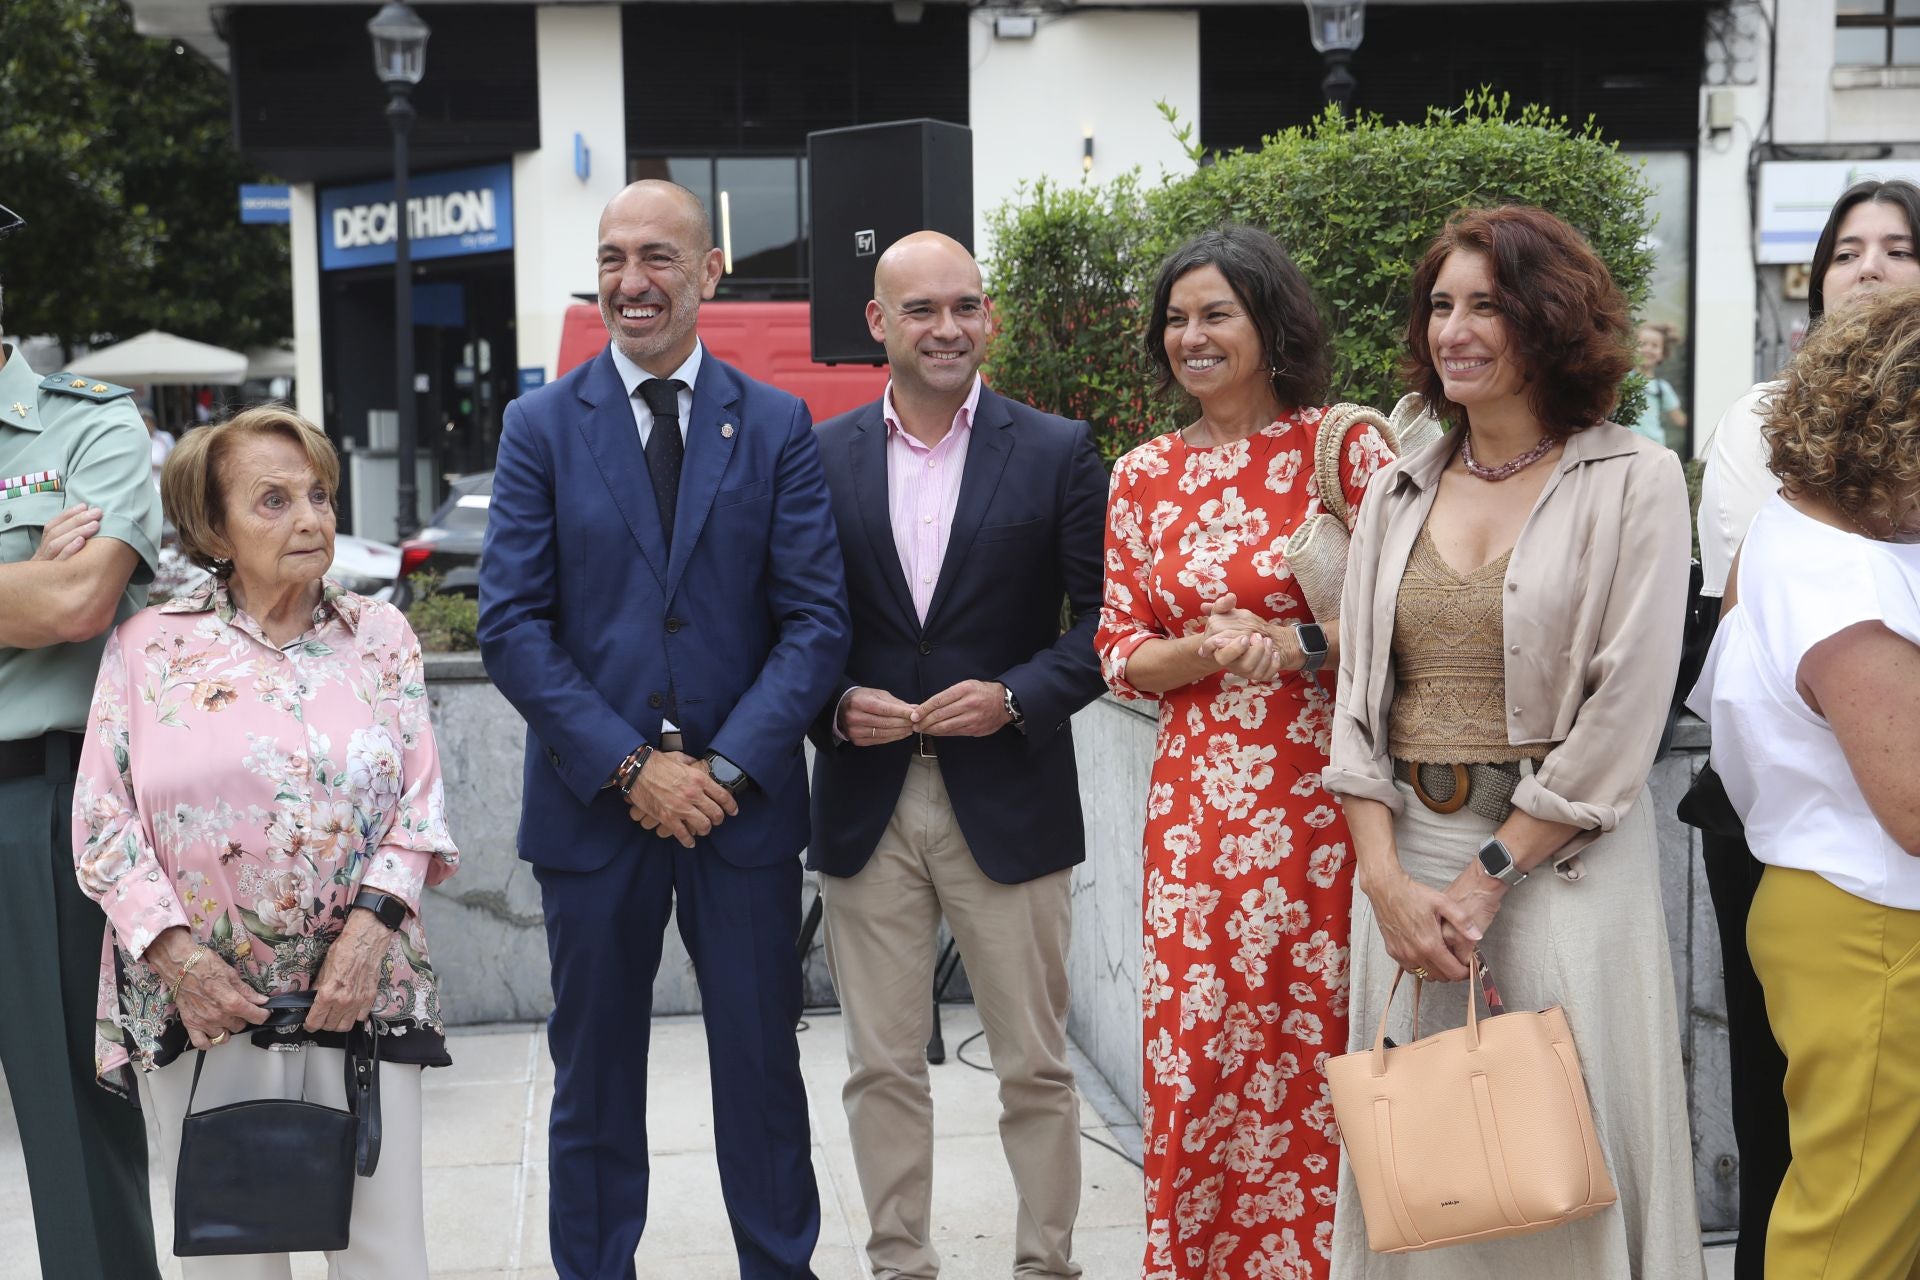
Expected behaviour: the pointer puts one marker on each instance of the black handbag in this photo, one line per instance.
(275, 1175)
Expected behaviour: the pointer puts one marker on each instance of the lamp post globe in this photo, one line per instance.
(400, 60)
(1337, 27)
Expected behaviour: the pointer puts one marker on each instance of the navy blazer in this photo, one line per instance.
(594, 633)
(1027, 534)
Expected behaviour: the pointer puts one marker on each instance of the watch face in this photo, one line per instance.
(725, 772)
(1313, 637)
(1495, 857)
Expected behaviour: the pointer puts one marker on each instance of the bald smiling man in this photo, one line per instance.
(944, 782)
(661, 598)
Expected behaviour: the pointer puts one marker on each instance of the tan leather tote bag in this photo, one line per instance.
(1470, 1134)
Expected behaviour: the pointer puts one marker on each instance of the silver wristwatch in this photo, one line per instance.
(1013, 710)
(1497, 861)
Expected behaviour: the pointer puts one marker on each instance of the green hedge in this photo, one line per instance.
(1355, 202)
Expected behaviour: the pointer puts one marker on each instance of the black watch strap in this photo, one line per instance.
(728, 774)
(388, 909)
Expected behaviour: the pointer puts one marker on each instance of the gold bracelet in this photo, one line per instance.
(173, 992)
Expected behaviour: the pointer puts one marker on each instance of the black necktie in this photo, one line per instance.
(665, 449)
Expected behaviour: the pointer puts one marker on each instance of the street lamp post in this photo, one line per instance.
(1337, 27)
(400, 59)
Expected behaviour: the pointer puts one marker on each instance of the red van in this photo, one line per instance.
(770, 341)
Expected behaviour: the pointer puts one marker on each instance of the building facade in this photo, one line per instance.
(532, 115)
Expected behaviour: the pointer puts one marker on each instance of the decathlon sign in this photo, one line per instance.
(448, 214)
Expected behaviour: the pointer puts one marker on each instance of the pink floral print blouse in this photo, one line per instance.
(248, 792)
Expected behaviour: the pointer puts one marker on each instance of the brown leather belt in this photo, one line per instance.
(925, 748)
(1485, 789)
(55, 753)
(672, 740)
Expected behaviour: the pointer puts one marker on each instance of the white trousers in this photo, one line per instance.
(389, 1237)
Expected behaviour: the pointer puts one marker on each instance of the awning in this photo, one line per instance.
(266, 363)
(155, 359)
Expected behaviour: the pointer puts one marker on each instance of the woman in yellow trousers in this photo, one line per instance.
(1813, 692)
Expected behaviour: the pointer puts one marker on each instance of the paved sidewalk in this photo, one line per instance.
(486, 1182)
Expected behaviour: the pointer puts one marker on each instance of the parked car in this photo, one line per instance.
(449, 546)
(360, 565)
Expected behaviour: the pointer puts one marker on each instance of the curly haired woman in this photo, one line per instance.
(1512, 621)
(1813, 691)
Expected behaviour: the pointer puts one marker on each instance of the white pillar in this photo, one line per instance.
(1034, 101)
(303, 248)
(556, 215)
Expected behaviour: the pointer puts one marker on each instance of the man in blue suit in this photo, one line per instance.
(944, 780)
(661, 597)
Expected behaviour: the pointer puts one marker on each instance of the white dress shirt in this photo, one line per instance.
(1735, 485)
(632, 375)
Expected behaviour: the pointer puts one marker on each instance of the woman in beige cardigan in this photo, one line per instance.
(1512, 627)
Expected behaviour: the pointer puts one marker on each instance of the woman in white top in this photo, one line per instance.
(1867, 244)
(1812, 689)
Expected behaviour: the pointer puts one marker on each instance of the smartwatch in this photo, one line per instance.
(387, 909)
(1313, 643)
(729, 775)
(1497, 861)
(1013, 710)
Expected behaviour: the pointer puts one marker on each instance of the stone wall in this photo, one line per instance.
(489, 943)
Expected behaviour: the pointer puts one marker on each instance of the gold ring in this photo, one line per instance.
(219, 1039)
(1420, 972)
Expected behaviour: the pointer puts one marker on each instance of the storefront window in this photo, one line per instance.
(758, 207)
(1669, 302)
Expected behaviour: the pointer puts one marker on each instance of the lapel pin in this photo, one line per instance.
(19, 408)
(726, 431)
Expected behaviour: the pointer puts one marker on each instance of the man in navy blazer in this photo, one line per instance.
(944, 778)
(661, 598)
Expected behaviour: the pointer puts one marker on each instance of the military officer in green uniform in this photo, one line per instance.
(79, 528)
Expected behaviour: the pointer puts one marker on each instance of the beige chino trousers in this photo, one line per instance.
(881, 927)
(388, 1230)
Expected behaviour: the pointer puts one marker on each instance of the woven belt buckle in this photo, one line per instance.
(1453, 803)
(924, 748)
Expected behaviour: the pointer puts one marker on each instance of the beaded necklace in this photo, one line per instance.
(1512, 466)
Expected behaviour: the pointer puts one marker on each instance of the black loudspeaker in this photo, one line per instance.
(868, 186)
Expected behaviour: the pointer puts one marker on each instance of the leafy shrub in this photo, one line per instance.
(445, 622)
(1354, 201)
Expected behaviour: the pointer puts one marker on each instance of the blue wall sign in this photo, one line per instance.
(450, 214)
(262, 203)
(532, 379)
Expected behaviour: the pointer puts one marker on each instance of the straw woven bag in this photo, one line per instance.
(1316, 552)
(1475, 1133)
(1413, 426)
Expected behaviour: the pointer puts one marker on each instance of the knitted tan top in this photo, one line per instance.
(1450, 684)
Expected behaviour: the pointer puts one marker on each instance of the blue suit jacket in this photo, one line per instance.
(1026, 536)
(594, 632)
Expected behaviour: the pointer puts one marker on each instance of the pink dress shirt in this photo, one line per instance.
(248, 792)
(923, 491)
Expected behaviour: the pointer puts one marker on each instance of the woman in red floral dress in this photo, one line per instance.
(1248, 873)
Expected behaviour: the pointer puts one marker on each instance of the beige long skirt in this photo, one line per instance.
(1597, 947)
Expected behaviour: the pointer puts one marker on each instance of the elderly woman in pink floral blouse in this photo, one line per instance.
(259, 811)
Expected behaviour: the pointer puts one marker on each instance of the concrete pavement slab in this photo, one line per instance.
(486, 1176)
